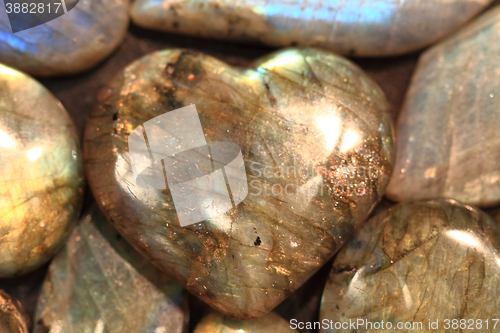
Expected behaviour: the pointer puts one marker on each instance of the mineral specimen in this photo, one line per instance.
(217, 323)
(351, 27)
(41, 173)
(12, 316)
(425, 266)
(317, 142)
(448, 137)
(99, 283)
(68, 44)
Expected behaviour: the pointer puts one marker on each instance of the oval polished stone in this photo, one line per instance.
(215, 322)
(353, 27)
(13, 319)
(420, 261)
(448, 137)
(41, 173)
(69, 44)
(99, 283)
(317, 141)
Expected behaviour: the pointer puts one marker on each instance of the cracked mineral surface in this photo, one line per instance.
(41, 173)
(418, 262)
(99, 283)
(12, 316)
(350, 27)
(69, 44)
(317, 141)
(448, 131)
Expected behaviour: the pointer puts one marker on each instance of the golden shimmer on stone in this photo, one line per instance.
(99, 283)
(69, 44)
(448, 132)
(420, 261)
(317, 140)
(13, 319)
(350, 27)
(215, 322)
(41, 173)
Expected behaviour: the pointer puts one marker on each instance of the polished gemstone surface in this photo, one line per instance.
(41, 173)
(99, 283)
(350, 27)
(448, 131)
(71, 43)
(215, 322)
(417, 263)
(12, 316)
(317, 141)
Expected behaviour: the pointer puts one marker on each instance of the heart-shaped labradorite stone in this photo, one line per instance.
(68, 44)
(413, 265)
(13, 319)
(41, 173)
(317, 142)
(99, 283)
(351, 27)
(448, 131)
(215, 322)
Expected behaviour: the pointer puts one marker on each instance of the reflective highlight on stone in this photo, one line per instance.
(420, 261)
(215, 322)
(316, 138)
(99, 283)
(448, 137)
(13, 319)
(353, 27)
(41, 173)
(69, 44)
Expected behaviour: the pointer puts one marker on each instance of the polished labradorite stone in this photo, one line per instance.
(448, 132)
(215, 322)
(12, 316)
(418, 263)
(41, 173)
(317, 142)
(99, 283)
(71, 43)
(350, 27)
